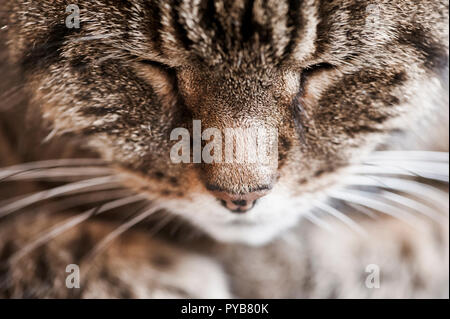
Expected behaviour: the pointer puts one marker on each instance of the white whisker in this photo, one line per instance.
(433, 167)
(15, 169)
(426, 156)
(432, 194)
(364, 210)
(70, 223)
(412, 204)
(438, 170)
(84, 199)
(392, 170)
(342, 217)
(55, 173)
(373, 202)
(162, 223)
(79, 200)
(17, 204)
(56, 163)
(93, 37)
(319, 222)
(120, 230)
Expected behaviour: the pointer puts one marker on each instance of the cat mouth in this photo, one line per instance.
(243, 223)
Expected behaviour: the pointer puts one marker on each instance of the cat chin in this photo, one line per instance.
(252, 235)
(257, 227)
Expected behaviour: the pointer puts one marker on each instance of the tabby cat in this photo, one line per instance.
(353, 206)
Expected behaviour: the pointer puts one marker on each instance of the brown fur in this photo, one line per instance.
(334, 88)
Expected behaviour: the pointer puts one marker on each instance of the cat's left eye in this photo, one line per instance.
(313, 70)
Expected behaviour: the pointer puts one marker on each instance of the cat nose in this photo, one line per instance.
(239, 203)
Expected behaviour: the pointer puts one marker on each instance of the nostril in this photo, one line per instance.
(238, 206)
(241, 202)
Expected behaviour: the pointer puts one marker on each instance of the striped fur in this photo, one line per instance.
(337, 79)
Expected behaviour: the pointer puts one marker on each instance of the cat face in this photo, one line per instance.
(330, 78)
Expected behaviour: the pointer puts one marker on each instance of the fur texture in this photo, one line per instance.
(336, 79)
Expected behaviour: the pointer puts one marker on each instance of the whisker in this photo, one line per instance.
(411, 155)
(319, 222)
(5, 172)
(81, 200)
(54, 173)
(162, 223)
(52, 233)
(12, 90)
(342, 217)
(392, 170)
(85, 199)
(372, 202)
(435, 167)
(11, 97)
(18, 204)
(436, 171)
(413, 205)
(103, 244)
(56, 163)
(432, 194)
(364, 210)
(45, 237)
(93, 37)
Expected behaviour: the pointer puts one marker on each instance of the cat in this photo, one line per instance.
(355, 91)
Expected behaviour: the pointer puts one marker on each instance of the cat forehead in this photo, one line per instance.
(236, 33)
(263, 33)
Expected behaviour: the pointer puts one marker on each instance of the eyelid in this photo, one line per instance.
(322, 66)
(313, 69)
(159, 67)
(153, 63)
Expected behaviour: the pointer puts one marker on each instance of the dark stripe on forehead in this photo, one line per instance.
(350, 25)
(209, 14)
(265, 32)
(181, 32)
(210, 20)
(323, 27)
(154, 24)
(247, 26)
(236, 30)
(295, 22)
(334, 32)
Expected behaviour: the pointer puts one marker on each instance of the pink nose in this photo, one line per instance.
(239, 203)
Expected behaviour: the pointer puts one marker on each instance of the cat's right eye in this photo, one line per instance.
(162, 77)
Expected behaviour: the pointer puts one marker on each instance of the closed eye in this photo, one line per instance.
(156, 71)
(154, 64)
(313, 70)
